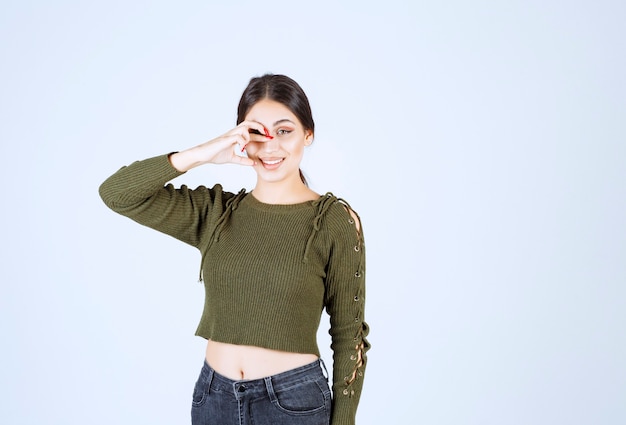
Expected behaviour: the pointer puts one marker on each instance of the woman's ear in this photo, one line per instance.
(308, 137)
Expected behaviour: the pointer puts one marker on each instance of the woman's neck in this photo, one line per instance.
(283, 192)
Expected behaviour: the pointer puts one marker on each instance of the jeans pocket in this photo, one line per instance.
(305, 398)
(199, 392)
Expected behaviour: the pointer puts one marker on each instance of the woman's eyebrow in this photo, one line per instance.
(282, 121)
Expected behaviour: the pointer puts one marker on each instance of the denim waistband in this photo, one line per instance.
(283, 380)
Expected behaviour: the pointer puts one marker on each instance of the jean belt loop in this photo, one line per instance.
(270, 389)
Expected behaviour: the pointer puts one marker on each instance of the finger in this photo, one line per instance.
(242, 160)
(256, 128)
(239, 131)
(256, 136)
(238, 145)
(254, 125)
(239, 140)
(259, 138)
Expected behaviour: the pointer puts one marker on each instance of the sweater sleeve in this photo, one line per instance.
(139, 191)
(345, 302)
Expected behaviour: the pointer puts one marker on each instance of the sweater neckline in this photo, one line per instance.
(253, 202)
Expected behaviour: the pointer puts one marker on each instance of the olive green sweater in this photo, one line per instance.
(268, 270)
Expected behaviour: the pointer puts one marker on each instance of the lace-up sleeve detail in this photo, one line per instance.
(345, 303)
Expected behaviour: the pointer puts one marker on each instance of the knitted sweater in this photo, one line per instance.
(268, 270)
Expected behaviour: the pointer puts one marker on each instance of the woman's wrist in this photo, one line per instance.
(183, 161)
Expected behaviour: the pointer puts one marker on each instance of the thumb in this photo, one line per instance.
(242, 160)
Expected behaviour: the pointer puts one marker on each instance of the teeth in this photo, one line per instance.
(272, 162)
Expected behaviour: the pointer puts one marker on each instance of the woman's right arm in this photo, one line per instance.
(139, 190)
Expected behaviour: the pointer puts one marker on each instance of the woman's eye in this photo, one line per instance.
(283, 132)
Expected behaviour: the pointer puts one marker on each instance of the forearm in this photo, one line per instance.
(184, 161)
(139, 191)
(136, 182)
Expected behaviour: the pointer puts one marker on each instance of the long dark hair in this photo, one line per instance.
(282, 89)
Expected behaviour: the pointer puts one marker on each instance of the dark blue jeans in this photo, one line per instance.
(299, 396)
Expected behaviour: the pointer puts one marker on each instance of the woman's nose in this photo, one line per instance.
(270, 145)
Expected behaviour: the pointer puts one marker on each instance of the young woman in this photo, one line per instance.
(272, 260)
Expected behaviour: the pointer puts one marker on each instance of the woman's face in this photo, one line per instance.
(277, 159)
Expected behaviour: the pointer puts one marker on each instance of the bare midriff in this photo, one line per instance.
(240, 362)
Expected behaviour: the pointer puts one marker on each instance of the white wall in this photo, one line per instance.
(483, 144)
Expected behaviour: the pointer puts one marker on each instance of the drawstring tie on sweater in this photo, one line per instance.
(230, 206)
(323, 204)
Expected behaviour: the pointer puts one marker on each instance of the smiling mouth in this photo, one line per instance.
(272, 161)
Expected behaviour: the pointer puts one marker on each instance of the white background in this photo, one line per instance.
(482, 143)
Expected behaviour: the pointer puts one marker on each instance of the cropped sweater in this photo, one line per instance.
(268, 269)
